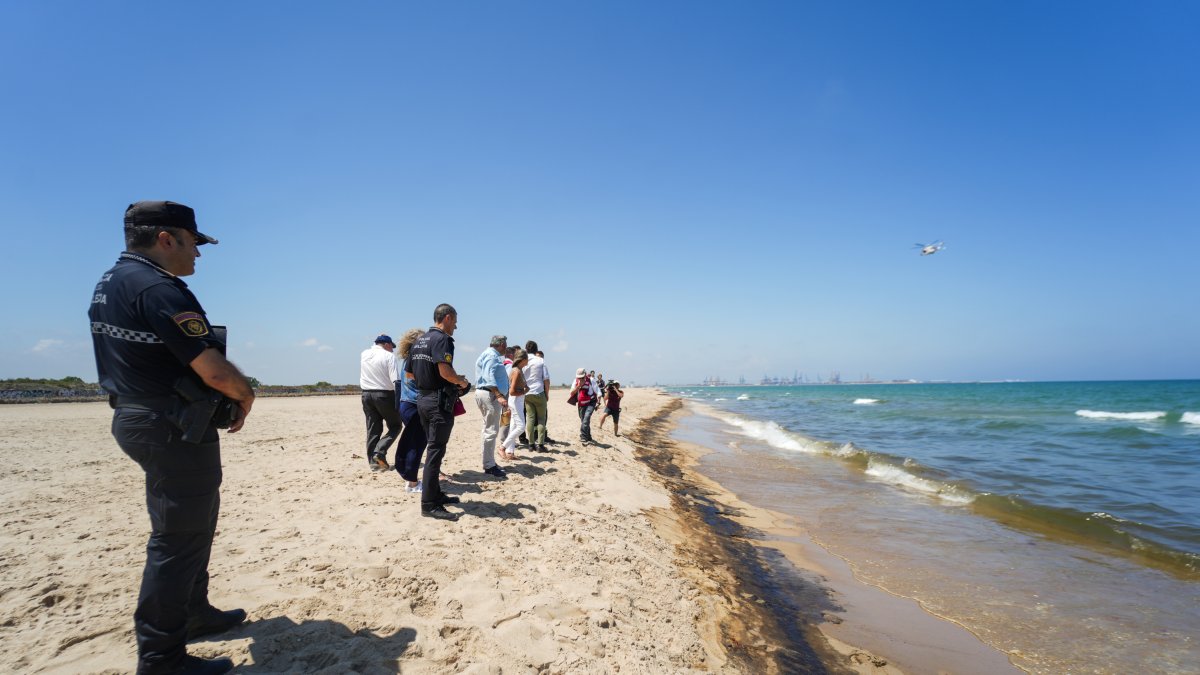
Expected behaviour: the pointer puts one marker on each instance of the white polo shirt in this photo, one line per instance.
(535, 373)
(379, 370)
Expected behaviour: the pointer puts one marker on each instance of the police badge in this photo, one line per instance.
(191, 323)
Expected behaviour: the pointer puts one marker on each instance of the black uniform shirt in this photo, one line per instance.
(146, 328)
(427, 352)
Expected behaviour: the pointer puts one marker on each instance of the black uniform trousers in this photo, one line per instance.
(379, 407)
(183, 483)
(437, 416)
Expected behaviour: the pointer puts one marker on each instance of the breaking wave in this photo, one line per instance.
(890, 473)
(1105, 415)
(774, 435)
(865, 401)
(881, 467)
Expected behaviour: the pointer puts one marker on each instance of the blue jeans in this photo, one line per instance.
(411, 443)
(585, 422)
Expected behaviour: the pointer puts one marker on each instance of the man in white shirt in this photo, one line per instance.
(377, 377)
(537, 378)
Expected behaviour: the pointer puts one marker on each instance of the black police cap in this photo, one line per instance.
(165, 214)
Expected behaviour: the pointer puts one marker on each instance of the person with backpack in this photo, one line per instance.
(585, 396)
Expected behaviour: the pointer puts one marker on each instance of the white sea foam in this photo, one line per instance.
(1105, 415)
(743, 397)
(778, 437)
(774, 435)
(718, 399)
(1190, 418)
(865, 401)
(846, 450)
(890, 473)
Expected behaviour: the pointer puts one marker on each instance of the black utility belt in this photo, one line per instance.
(155, 403)
(192, 409)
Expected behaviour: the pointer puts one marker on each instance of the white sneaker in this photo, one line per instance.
(413, 488)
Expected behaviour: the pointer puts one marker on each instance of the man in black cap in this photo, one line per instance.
(164, 367)
(378, 372)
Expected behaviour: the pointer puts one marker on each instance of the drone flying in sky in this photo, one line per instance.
(930, 249)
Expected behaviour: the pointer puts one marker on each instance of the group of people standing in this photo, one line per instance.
(172, 388)
(412, 389)
(416, 397)
(512, 392)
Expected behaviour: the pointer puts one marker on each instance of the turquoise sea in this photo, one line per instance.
(1058, 521)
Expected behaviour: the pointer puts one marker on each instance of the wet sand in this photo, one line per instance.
(874, 630)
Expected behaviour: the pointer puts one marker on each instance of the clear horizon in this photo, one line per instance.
(642, 189)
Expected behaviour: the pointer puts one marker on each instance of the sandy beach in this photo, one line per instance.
(609, 558)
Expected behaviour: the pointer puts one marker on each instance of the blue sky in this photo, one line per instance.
(660, 191)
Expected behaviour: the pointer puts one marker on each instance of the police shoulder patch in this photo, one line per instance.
(191, 323)
(449, 358)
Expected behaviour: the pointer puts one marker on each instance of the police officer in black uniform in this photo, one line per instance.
(171, 386)
(431, 361)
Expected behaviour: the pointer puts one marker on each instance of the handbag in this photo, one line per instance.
(459, 409)
(573, 398)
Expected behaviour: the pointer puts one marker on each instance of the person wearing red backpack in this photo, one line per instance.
(586, 396)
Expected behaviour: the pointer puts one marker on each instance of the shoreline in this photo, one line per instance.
(750, 618)
(869, 629)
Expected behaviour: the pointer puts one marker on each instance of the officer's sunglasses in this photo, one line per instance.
(195, 243)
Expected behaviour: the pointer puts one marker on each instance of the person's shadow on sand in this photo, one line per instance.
(527, 470)
(280, 645)
(496, 510)
(474, 477)
(459, 486)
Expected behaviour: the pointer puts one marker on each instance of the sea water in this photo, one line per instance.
(1058, 521)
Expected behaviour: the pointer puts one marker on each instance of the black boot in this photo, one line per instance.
(211, 621)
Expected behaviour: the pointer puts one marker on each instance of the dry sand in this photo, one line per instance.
(583, 560)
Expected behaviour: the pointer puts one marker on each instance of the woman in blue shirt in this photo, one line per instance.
(412, 439)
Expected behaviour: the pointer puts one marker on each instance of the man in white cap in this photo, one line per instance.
(587, 395)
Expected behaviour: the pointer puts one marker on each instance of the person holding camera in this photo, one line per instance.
(584, 396)
(171, 387)
(612, 405)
